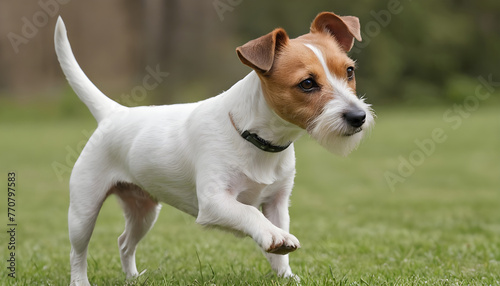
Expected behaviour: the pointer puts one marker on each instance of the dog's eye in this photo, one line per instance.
(308, 85)
(350, 73)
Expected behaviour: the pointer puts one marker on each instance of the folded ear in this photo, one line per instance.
(343, 28)
(259, 54)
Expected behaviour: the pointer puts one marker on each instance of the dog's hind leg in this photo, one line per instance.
(141, 212)
(88, 190)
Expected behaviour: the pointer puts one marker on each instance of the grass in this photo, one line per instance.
(440, 226)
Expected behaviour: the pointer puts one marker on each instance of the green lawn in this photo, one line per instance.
(439, 225)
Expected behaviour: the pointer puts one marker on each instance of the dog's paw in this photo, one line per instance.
(279, 242)
(293, 278)
(134, 274)
(287, 273)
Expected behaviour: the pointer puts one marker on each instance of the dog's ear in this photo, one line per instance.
(343, 28)
(259, 54)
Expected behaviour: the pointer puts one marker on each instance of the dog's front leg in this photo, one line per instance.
(218, 207)
(276, 210)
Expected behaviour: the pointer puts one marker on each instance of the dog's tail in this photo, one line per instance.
(98, 103)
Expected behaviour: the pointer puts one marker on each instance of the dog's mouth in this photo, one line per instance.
(357, 130)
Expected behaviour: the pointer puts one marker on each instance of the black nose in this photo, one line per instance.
(355, 118)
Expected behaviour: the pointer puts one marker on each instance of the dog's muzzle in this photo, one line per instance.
(355, 119)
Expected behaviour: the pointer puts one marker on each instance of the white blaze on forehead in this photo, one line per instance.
(339, 86)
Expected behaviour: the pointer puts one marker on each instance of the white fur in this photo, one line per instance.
(191, 157)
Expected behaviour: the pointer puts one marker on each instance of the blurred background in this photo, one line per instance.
(419, 197)
(413, 52)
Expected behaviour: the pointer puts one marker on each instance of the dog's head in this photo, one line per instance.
(309, 81)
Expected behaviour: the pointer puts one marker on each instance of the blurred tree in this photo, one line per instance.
(412, 51)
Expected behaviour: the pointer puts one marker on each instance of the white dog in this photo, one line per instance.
(223, 159)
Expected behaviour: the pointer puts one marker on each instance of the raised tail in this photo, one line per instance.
(98, 103)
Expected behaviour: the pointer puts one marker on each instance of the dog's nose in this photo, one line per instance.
(355, 118)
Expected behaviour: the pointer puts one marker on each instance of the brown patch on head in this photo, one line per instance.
(283, 64)
(296, 63)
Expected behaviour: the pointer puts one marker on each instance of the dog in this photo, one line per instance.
(228, 160)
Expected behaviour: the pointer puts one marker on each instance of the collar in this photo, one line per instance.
(258, 141)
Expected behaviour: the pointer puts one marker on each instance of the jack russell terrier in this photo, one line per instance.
(229, 160)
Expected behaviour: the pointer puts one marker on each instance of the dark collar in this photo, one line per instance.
(257, 141)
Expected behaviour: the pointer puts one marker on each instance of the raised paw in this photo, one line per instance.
(280, 242)
(281, 249)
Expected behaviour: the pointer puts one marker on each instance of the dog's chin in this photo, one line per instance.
(341, 144)
(352, 132)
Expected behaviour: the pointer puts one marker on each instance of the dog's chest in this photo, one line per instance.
(250, 192)
(247, 191)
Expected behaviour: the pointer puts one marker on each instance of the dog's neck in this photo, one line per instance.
(250, 112)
